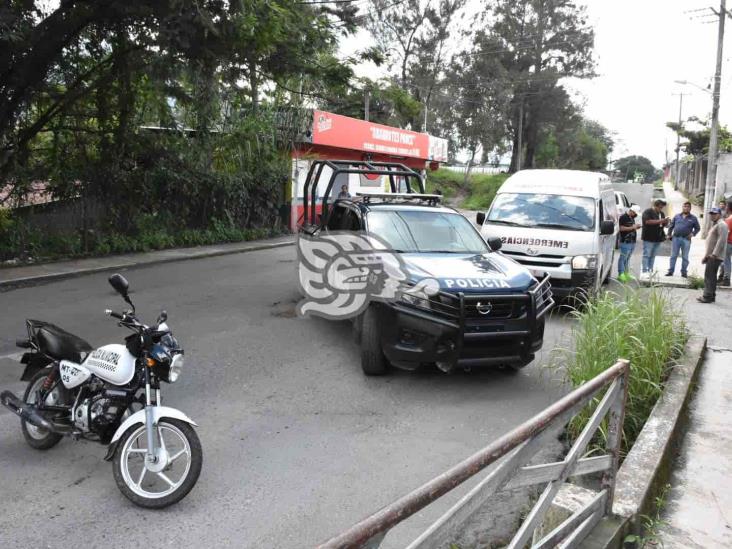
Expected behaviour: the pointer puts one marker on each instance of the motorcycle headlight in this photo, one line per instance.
(583, 262)
(176, 366)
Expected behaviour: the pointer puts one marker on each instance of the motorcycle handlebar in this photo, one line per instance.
(111, 313)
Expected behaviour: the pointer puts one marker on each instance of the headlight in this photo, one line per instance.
(413, 300)
(584, 262)
(176, 365)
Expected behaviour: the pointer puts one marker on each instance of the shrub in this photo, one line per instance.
(447, 181)
(643, 326)
(483, 190)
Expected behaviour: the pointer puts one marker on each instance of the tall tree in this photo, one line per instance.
(539, 42)
(413, 36)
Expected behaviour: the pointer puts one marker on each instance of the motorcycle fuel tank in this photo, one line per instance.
(112, 363)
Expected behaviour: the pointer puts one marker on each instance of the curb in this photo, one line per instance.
(21, 282)
(649, 463)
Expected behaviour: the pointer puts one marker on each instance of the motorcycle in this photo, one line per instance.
(112, 395)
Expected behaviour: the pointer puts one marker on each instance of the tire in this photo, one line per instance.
(122, 475)
(36, 437)
(373, 361)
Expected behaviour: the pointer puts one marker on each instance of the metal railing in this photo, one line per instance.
(523, 443)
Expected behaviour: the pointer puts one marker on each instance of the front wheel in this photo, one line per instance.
(171, 476)
(373, 361)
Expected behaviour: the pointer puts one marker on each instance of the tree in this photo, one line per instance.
(413, 39)
(696, 142)
(629, 166)
(539, 42)
(574, 143)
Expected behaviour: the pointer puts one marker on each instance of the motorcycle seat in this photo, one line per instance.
(58, 343)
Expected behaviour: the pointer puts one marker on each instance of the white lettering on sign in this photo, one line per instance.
(477, 283)
(392, 136)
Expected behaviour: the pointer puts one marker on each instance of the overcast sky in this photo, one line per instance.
(641, 47)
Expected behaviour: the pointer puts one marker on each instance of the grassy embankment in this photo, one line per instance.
(477, 194)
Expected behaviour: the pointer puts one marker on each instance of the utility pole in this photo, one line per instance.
(366, 105)
(678, 143)
(520, 135)
(711, 182)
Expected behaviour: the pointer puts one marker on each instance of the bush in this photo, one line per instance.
(447, 181)
(643, 326)
(483, 190)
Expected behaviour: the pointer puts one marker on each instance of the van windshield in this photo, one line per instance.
(574, 213)
(426, 231)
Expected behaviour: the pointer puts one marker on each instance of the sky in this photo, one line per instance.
(641, 48)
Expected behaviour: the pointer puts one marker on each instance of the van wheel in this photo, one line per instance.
(373, 361)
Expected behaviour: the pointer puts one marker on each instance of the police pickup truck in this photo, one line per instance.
(460, 303)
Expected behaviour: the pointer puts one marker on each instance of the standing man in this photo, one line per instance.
(344, 192)
(654, 220)
(716, 247)
(728, 255)
(683, 227)
(628, 234)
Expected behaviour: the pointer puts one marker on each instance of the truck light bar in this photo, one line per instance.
(399, 197)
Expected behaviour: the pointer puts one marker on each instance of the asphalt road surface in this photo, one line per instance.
(298, 443)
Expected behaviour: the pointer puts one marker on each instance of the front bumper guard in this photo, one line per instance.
(445, 313)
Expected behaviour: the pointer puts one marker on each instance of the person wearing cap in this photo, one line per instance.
(682, 229)
(654, 220)
(714, 255)
(628, 235)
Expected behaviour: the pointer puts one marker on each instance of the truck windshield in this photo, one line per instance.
(574, 213)
(426, 231)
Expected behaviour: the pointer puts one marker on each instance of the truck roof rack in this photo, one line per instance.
(392, 170)
(431, 199)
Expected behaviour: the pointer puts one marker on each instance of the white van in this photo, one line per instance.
(559, 222)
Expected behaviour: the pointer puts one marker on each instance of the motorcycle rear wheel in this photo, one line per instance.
(138, 480)
(37, 437)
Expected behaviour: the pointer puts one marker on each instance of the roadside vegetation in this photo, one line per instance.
(643, 326)
(476, 193)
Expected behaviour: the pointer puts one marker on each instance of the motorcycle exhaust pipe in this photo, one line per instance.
(26, 412)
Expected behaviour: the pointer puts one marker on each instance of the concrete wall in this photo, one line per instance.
(692, 178)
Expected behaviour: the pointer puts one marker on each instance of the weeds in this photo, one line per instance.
(696, 282)
(483, 190)
(149, 237)
(643, 326)
(651, 525)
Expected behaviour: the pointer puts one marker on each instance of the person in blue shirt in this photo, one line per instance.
(681, 230)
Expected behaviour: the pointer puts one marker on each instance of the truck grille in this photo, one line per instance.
(487, 308)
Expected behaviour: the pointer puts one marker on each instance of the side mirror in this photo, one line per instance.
(495, 243)
(120, 284)
(480, 218)
(607, 227)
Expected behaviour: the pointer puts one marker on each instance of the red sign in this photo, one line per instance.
(334, 130)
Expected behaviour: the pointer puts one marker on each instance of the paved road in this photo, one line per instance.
(298, 444)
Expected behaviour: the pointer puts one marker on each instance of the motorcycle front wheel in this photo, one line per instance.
(171, 476)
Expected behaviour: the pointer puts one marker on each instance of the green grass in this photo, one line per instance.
(45, 247)
(696, 282)
(479, 191)
(644, 326)
(483, 190)
(447, 181)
